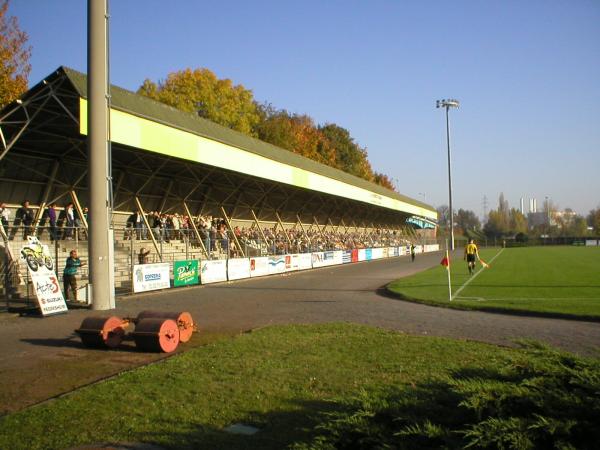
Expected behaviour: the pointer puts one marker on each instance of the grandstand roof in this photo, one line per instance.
(165, 130)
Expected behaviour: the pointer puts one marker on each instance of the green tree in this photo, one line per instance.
(351, 158)
(497, 224)
(200, 91)
(14, 58)
(593, 219)
(467, 220)
(517, 222)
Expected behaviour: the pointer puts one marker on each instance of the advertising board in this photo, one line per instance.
(304, 261)
(362, 254)
(213, 271)
(238, 268)
(185, 273)
(149, 277)
(259, 266)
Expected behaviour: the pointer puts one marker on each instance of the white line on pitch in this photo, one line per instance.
(473, 277)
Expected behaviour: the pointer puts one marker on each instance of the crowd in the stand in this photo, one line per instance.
(211, 233)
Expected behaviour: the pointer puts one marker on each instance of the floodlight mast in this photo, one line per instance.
(449, 103)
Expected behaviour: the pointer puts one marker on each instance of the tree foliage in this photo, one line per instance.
(467, 220)
(200, 91)
(593, 219)
(14, 57)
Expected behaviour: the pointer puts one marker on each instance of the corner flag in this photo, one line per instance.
(446, 263)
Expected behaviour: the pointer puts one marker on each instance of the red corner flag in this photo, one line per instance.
(445, 262)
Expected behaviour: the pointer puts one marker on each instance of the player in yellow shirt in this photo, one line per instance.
(471, 253)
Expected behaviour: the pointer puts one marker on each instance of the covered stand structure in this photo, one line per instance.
(167, 160)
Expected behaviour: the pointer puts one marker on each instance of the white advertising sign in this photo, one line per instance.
(292, 262)
(276, 264)
(213, 271)
(47, 291)
(591, 242)
(338, 257)
(362, 254)
(377, 253)
(259, 266)
(304, 261)
(149, 277)
(238, 268)
(41, 269)
(392, 251)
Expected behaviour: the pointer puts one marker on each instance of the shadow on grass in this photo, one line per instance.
(386, 292)
(540, 399)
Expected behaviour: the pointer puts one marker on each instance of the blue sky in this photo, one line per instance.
(527, 74)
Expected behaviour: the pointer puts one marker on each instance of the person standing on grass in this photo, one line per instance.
(471, 252)
(70, 274)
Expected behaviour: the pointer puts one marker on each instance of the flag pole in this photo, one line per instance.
(448, 268)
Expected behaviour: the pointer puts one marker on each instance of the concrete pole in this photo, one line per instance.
(100, 238)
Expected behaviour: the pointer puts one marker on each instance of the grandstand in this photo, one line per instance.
(197, 190)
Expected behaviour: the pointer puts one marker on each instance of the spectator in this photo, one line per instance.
(25, 216)
(52, 216)
(143, 256)
(70, 216)
(70, 274)
(4, 216)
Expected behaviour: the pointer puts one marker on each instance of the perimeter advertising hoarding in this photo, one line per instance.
(259, 266)
(213, 271)
(376, 253)
(304, 261)
(386, 252)
(149, 277)
(292, 262)
(322, 259)
(185, 273)
(362, 254)
(276, 264)
(338, 257)
(393, 251)
(591, 242)
(355, 255)
(368, 254)
(347, 256)
(238, 268)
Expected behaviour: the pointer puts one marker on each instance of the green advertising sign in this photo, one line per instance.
(185, 272)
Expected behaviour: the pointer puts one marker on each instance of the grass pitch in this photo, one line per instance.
(559, 281)
(287, 381)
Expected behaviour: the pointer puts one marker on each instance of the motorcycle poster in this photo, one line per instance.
(45, 283)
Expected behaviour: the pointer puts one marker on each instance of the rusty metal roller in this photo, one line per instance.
(102, 331)
(184, 321)
(156, 335)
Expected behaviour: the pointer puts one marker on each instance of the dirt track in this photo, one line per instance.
(42, 358)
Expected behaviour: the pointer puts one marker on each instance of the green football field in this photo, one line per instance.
(545, 280)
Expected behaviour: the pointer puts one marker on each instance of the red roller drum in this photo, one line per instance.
(102, 331)
(156, 335)
(183, 319)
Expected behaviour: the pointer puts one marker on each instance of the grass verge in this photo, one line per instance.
(546, 281)
(310, 386)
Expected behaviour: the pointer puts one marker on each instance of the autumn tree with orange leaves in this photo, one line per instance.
(14, 58)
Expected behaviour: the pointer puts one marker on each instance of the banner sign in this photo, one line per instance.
(355, 255)
(185, 273)
(238, 268)
(368, 254)
(347, 256)
(40, 265)
(149, 277)
(386, 252)
(591, 242)
(304, 261)
(338, 257)
(292, 262)
(213, 271)
(322, 259)
(259, 266)
(393, 251)
(276, 264)
(362, 254)
(48, 293)
(376, 253)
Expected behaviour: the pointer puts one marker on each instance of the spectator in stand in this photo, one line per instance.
(143, 256)
(70, 274)
(4, 216)
(25, 216)
(70, 217)
(176, 221)
(129, 226)
(52, 216)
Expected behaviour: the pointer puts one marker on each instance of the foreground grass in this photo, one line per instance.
(305, 387)
(563, 281)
